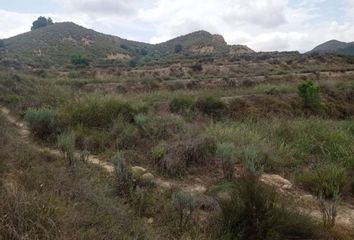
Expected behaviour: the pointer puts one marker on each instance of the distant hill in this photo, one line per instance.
(57, 43)
(335, 46)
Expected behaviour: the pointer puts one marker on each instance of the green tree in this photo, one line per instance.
(178, 48)
(310, 93)
(79, 60)
(2, 44)
(41, 22)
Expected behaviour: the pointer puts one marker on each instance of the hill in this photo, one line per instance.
(56, 44)
(335, 46)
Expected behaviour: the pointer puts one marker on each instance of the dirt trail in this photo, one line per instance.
(305, 200)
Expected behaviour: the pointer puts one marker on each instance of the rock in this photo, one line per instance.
(287, 187)
(147, 177)
(138, 171)
(150, 221)
(224, 196)
(276, 181)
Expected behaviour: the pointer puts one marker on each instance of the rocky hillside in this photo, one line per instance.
(57, 44)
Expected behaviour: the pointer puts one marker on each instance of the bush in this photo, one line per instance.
(255, 211)
(66, 144)
(184, 204)
(325, 180)
(79, 60)
(226, 152)
(189, 153)
(310, 93)
(2, 44)
(181, 104)
(210, 106)
(158, 127)
(158, 152)
(99, 112)
(42, 122)
(123, 175)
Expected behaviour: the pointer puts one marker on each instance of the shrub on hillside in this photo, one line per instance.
(123, 175)
(158, 152)
(42, 122)
(184, 205)
(310, 93)
(66, 144)
(158, 127)
(182, 104)
(211, 106)
(255, 211)
(226, 152)
(190, 153)
(327, 182)
(324, 180)
(99, 112)
(79, 60)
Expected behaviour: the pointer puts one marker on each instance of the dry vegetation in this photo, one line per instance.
(220, 123)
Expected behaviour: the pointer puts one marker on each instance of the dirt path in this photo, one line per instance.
(305, 200)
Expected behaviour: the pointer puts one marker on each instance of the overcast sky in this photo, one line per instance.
(263, 25)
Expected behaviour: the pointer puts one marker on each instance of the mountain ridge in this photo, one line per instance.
(336, 47)
(57, 42)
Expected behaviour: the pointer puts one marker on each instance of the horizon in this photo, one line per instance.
(268, 25)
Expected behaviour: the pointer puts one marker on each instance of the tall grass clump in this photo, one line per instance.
(211, 106)
(42, 122)
(123, 175)
(226, 152)
(182, 104)
(327, 182)
(97, 112)
(66, 144)
(184, 205)
(310, 93)
(256, 211)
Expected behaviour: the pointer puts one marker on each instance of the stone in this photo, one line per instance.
(138, 171)
(150, 221)
(147, 177)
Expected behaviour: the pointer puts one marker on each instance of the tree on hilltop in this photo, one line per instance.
(41, 22)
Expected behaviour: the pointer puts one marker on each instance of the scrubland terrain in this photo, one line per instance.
(225, 146)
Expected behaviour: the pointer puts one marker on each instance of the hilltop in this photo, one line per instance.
(57, 43)
(335, 46)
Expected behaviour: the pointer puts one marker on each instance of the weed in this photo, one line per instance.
(66, 144)
(226, 152)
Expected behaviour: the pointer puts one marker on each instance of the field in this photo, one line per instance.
(259, 146)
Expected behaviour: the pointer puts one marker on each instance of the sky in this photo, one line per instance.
(263, 25)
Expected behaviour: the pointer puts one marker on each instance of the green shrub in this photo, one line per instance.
(210, 106)
(182, 155)
(99, 112)
(42, 122)
(123, 175)
(326, 180)
(158, 152)
(226, 152)
(184, 204)
(255, 211)
(182, 104)
(125, 134)
(66, 144)
(79, 60)
(310, 92)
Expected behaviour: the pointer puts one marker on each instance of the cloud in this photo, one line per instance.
(13, 23)
(264, 25)
(103, 7)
